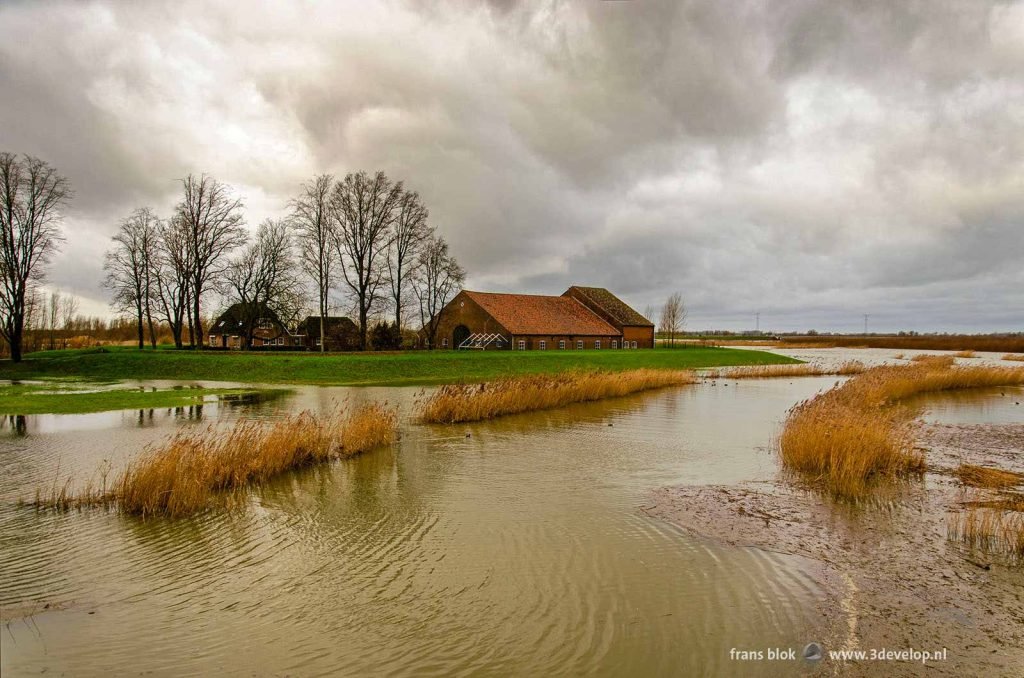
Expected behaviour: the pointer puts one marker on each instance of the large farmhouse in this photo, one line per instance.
(581, 318)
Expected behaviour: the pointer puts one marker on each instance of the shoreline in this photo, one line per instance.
(894, 581)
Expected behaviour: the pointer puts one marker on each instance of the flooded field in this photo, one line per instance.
(518, 546)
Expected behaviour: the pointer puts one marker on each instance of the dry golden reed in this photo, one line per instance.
(965, 354)
(846, 438)
(182, 476)
(1014, 356)
(455, 403)
(850, 367)
(992, 530)
(986, 477)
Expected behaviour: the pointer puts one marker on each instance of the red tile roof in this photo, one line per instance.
(542, 315)
(619, 310)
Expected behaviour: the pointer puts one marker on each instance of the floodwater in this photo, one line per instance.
(511, 547)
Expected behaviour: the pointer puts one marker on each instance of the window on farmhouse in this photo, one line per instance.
(634, 345)
(522, 345)
(615, 344)
(597, 343)
(543, 345)
(579, 344)
(561, 344)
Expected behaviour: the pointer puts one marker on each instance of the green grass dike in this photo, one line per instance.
(359, 369)
(64, 397)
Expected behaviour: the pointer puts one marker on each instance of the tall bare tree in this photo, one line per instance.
(214, 226)
(262, 277)
(673, 317)
(316, 235)
(172, 274)
(67, 310)
(130, 265)
(409, 234)
(364, 209)
(438, 278)
(32, 195)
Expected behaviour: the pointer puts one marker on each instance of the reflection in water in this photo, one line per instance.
(517, 549)
(16, 423)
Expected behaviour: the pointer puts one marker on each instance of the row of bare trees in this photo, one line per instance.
(370, 236)
(32, 195)
(160, 270)
(364, 235)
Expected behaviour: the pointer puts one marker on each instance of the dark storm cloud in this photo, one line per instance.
(811, 161)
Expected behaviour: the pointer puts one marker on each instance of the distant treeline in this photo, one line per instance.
(998, 343)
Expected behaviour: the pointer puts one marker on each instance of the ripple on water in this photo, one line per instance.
(518, 550)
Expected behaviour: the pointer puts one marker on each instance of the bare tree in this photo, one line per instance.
(409, 233)
(53, 311)
(32, 194)
(130, 269)
(262, 278)
(172, 274)
(67, 310)
(214, 225)
(364, 209)
(315, 232)
(673, 317)
(438, 278)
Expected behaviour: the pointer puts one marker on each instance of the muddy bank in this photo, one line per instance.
(895, 580)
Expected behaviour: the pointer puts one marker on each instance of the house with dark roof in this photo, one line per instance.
(247, 326)
(340, 333)
(581, 318)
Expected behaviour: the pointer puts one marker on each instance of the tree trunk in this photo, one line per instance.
(197, 326)
(152, 329)
(17, 328)
(16, 350)
(139, 326)
(323, 323)
(362, 328)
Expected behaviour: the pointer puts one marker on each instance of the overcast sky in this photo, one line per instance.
(811, 161)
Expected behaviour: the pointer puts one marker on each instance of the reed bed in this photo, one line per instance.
(456, 403)
(992, 530)
(856, 433)
(965, 354)
(1018, 357)
(986, 477)
(848, 368)
(182, 476)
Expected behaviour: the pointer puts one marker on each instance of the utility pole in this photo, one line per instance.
(865, 324)
(757, 322)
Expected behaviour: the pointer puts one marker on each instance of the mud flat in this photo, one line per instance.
(894, 580)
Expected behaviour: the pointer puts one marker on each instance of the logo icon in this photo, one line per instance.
(812, 652)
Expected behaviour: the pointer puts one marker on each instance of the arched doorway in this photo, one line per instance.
(460, 335)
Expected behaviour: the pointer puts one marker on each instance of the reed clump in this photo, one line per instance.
(987, 477)
(182, 476)
(856, 433)
(454, 403)
(965, 354)
(1018, 357)
(850, 367)
(992, 530)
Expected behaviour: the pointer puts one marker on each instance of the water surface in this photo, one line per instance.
(512, 547)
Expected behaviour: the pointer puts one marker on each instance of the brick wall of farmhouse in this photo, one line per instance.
(464, 311)
(643, 336)
(551, 342)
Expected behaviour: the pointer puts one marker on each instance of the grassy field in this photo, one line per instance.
(78, 399)
(361, 369)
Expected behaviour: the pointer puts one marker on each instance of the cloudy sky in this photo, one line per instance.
(811, 161)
